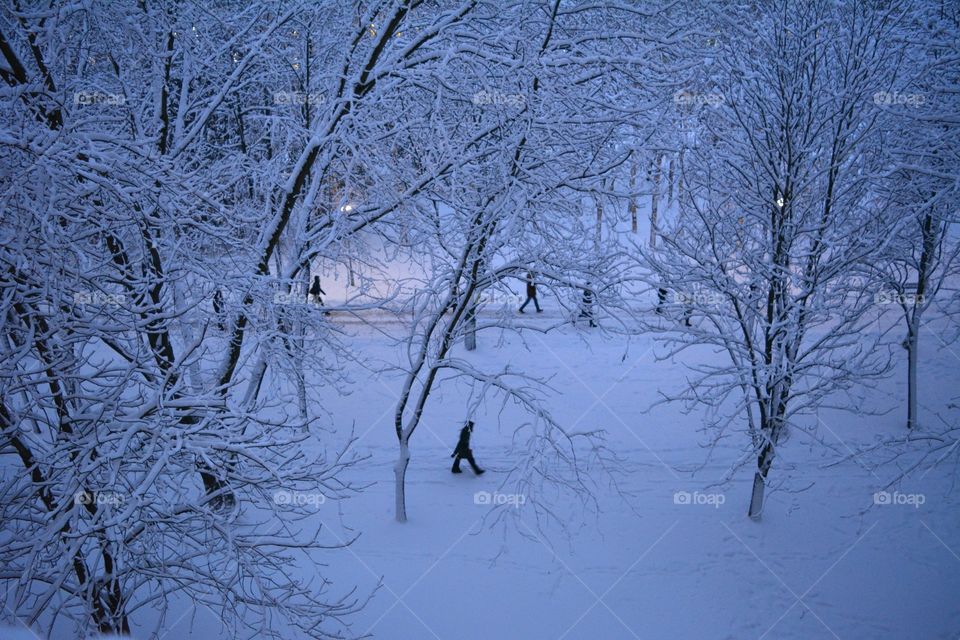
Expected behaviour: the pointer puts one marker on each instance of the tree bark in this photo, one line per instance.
(400, 477)
(470, 335)
(912, 344)
(670, 178)
(654, 197)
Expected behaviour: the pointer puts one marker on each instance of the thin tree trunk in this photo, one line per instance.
(670, 178)
(632, 207)
(654, 197)
(912, 344)
(400, 478)
(930, 234)
(470, 335)
(756, 496)
(598, 236)
(680, 177)
(301, 391)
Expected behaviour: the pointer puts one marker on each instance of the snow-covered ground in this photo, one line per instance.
(669, 553)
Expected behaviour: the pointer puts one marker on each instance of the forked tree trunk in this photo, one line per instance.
(764, 462)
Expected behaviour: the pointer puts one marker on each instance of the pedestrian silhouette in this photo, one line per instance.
(463, 452)
(315, 291)
(531, 293)
(661, 299)
(586, 305)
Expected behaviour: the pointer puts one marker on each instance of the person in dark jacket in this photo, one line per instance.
(531, 293)
(463, 452)
(315, 291)
(586, 305)
(661, 299)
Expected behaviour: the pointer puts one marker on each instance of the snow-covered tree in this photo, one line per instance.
(777, 217)
(531, 175)
(923, 150)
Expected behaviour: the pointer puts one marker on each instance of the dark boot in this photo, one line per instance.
(456, 465)
(473, 465)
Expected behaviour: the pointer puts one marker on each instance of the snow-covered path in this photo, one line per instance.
(819, 565)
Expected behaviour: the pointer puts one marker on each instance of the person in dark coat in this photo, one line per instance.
(531, 293)
(315, 291)
(586, 305)
(661, 299)
(463, 452)
(218, 308)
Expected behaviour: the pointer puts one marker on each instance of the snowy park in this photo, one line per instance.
(533, 319)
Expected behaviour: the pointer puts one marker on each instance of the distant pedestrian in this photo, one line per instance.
(586, 305)
(531, 293)
(463, 452)
(315, 291)
(218, 309)
(661, 299)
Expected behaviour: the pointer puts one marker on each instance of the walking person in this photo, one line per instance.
(531, 294)
(661, 299)
(586, 305)
(315, 291)
(463, 452)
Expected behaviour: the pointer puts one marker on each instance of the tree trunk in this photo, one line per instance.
(632, 207)
(756, 496)
(599, 233)
(654, 197)
(680, 177)
(670, 178)
(470, 335)
(764, 462)
(400, 477)
(301, 391)
(912, 344)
